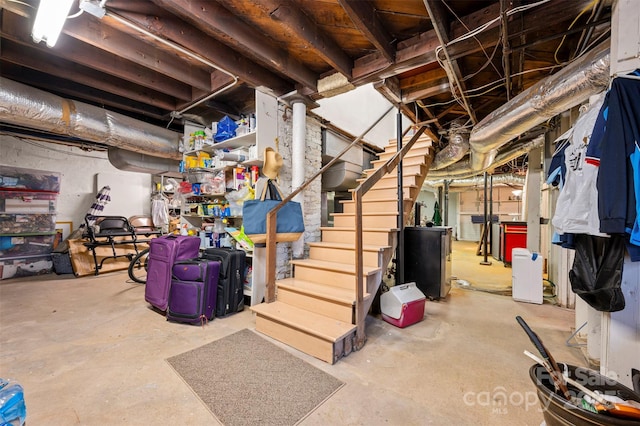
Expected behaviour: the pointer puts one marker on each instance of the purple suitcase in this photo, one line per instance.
(163, 252)
(194, 287)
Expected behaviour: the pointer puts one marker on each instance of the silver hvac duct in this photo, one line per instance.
(452, 153)
(549, 97)
(33, 108)
(503, 179)
(462, 169)
(142, 163)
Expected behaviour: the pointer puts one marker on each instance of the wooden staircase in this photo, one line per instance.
(314, 310)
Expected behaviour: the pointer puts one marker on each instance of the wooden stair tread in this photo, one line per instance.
(388, 185)
(326, 328)
(390, 176)
(337, 294)
(377, 200)
(334, 266)
(340, 228)
(347, 246)
(388, 213)
(369, 172)
(406, 157)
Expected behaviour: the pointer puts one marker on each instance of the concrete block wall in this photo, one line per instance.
(78, 169)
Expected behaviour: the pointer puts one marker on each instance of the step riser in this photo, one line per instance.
(386, 221)
(329, 254)
(304, 342)
(393, 147)
(392, 180)
(407, 161)
(376, 206)
(419, 151)
(406, 170)
(331, 278)
(411, 192)
(328, 308)
(348, 237)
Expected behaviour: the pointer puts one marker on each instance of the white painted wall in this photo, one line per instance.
(79, 170)
(356, 110)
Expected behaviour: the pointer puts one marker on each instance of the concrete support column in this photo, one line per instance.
(532, 199)
(299, 130)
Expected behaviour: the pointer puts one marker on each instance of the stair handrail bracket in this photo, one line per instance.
(358, 194)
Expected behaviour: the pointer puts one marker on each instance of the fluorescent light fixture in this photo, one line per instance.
(49, 20)
(93, 7)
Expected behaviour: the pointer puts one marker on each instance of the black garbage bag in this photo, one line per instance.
(596, 274)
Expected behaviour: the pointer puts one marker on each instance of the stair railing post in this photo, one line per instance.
(400, 247)
(360, 313)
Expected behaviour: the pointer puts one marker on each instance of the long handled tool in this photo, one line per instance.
(555, 372)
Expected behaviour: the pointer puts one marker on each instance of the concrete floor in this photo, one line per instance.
(89, 351)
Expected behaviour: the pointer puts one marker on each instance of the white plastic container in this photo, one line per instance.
(526, 276)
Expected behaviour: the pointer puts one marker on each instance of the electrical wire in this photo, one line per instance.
(48, 144)
(587, 7)
(500, 82)
(22, 3)
(467, 28)
(489, 61)
(456, 91)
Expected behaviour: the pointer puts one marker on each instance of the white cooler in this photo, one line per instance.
(526, 276)
(403, 305)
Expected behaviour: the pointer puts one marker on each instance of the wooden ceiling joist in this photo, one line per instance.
(298, 23)
(364, 17)
(215, 20)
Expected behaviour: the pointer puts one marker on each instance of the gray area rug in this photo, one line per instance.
(246, 380)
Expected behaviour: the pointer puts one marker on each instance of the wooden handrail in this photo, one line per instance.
(270, 257)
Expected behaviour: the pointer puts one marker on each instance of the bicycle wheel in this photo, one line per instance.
(138, 267)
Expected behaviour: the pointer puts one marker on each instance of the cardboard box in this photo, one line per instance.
(403, 305)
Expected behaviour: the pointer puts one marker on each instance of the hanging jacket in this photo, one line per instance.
(616, 198)
(577, 205)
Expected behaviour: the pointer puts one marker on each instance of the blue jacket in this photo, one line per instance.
(616, 198)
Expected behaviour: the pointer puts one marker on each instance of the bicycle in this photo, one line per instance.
(138, 267)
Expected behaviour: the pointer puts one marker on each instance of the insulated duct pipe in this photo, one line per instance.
(553, 95)
(29, 107)
(502, 179)
(452, 153)
(463, 169)
(141, 163)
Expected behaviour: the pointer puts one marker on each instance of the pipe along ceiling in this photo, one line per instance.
(157, 147)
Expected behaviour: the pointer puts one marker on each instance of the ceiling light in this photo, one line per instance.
(49, 20)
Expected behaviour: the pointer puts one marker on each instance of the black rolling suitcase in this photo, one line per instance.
(231, 280)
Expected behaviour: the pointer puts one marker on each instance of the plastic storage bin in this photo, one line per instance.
(37, 180)
(25, 267)
(403, 305)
